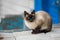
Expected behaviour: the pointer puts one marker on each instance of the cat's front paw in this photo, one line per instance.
(34, 32)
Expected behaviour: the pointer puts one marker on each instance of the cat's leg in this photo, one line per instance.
(45, 31)
(49, 25)
(33, 31)
(36, 30)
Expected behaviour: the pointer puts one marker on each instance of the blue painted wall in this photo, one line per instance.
(53, 10)
(59, 10)
(37, 5)
(48, 6)
(45, 5)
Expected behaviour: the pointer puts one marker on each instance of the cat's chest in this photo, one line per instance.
(30, 25)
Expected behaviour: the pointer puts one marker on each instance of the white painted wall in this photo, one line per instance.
(15, 7)
(0, 6)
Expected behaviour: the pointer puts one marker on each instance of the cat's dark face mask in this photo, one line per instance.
(29, 17)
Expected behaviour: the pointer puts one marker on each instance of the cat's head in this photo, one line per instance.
(29, 17)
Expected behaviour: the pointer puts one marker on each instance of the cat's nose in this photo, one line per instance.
(31, 20)
(30, 17)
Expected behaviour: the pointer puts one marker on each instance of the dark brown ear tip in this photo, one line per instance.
(24, 11)
(33, 10)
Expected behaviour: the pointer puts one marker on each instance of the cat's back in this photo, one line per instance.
(42, 14)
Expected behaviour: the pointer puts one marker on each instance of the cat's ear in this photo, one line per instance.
(25, 13)
(33, 12)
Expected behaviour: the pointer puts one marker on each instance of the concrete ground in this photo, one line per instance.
(56, 25)
(11, 35)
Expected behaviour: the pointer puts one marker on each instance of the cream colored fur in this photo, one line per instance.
(41, 16)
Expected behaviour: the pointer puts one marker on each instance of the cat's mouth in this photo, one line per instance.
(31, 20)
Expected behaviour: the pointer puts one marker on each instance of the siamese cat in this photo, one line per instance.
(38, 22)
